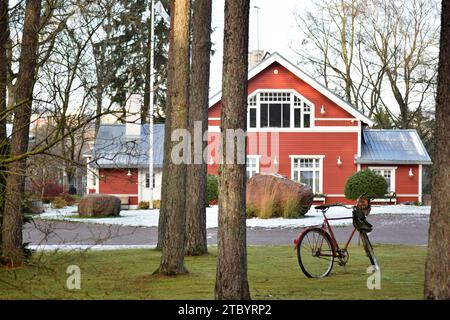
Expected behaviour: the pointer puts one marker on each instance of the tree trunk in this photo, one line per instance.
(231, 278)
(99, 89)
(174, 175)
(167, 124)
(196, 243)
(4, 35)
(437, 274)
(12, 219)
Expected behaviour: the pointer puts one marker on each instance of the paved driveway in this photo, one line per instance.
(396, 229)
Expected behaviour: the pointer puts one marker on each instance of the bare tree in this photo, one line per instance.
(3, 96)
(437, 273)
(196, 243)
(3, 64)
(331, 29)
(404, 37)
(381, 56)
(12, 217)
(231, 279)
(173, 204)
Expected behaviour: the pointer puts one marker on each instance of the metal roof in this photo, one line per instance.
(392, 147)
(113, 149)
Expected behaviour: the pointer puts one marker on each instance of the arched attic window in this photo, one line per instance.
(279, 110)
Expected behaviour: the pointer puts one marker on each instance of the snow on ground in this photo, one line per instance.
(149, 218)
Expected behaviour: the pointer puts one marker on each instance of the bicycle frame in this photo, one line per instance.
(325, 227)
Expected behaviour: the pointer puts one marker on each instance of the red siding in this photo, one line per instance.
(331, 145)
(116, 181)
(333, 123)
(287, 80)
(404, 184)
(214, 111)
(133, 201)
(213, 122)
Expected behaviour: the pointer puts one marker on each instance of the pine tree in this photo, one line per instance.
(173, 201)
(125, 53)
(196, 243)
(231, 279)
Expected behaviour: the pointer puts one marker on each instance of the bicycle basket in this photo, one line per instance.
(360, 222)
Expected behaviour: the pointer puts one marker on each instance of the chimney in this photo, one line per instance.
(255, 57)
(133, 117)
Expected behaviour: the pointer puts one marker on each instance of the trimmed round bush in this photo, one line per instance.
(365, 182)
(212, 188)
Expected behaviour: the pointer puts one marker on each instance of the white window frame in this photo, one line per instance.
(291, 102)
(147, 177)
(393, 173)
(253, 157)
(315, 157)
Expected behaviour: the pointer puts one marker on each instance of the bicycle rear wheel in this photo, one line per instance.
(369, 250)
(315, 253)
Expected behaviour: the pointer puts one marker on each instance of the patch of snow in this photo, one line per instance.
(149, 218)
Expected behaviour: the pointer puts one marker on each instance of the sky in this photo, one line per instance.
(278, 31)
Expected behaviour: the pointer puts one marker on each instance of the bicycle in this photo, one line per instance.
(317, 246)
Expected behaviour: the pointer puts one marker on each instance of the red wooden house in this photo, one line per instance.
(321, 139)
(296, 127)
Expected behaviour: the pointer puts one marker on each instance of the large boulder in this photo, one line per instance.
(99, 205)
(282, 193)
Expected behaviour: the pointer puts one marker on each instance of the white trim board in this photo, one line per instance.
(325, 129)
(276, 57)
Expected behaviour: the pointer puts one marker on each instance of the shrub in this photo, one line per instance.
(365, 182)
(252, 211)
(212, 188)
(68, 198)
(59, 203)
(144, 205)
(291, 209)
(48, 189)
(270, 208)
(157, 204)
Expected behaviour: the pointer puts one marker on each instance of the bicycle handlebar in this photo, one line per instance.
(326, 206)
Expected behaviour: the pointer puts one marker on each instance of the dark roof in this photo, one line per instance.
(392, 147)
(113, 149)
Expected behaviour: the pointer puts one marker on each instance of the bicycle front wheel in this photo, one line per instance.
(315, 253)
(369, 250)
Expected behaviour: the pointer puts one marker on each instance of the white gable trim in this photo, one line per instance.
(276, 57)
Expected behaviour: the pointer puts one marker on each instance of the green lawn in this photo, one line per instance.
(273, 274)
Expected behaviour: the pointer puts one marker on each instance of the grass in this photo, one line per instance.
(273, 274)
